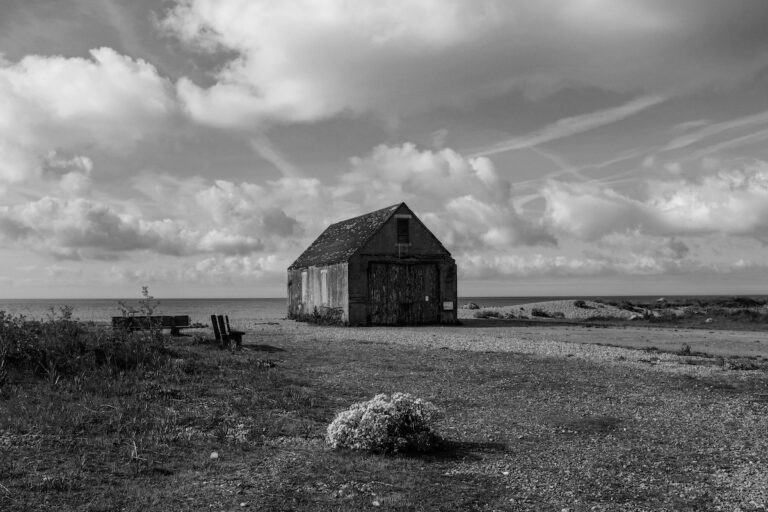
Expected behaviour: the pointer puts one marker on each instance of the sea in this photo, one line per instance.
(243, 312)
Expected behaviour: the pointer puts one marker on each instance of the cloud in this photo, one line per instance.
(86, 229)
(50, 104)
(571, 126)
(728, 201)
(73, 229)
(266, 150)
(246, 208)
(706, 130)
(233, 271)
(630, 254)
(485, 266)
(463, 200)
(306, 60)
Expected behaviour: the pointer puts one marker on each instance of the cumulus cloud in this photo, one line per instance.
(464, 200)
(86, 229)
(729, 201)
(71, 229)
(307, 60)
(629, 256)
(211, 271)
(52, 103)
(486, 266)
(245, 208)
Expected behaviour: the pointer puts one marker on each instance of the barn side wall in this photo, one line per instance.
(383, 248)
(303, 305)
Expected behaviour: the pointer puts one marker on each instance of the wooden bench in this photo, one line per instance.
(224, 335)
(143, 323)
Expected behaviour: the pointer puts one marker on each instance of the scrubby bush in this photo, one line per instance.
(488, 313)
(739, 302)
(540, 313)
(59, 347)
(321, 316)
(400, 423)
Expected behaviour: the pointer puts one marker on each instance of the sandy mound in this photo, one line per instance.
(554, 308)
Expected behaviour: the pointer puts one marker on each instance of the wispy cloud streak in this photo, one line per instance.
(267, 150)
(571, 126)
(716, 129)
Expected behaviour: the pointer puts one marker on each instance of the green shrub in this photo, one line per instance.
(487, 313)
(60, 347)
(739, 302)
(322, 316)
(400, 423)
(540, 313)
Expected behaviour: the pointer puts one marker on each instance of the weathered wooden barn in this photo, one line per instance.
(382, 268)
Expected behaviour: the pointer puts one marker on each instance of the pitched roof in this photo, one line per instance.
(342, 239)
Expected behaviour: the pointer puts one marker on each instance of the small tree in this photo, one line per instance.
(146, 309)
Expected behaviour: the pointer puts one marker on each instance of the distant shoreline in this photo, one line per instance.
(259, 309)
(490, 298)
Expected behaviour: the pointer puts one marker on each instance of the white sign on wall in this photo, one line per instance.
(448, 306)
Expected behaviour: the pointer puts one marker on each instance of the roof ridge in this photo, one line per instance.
(366, 214)
(340, 240)
(381, 224)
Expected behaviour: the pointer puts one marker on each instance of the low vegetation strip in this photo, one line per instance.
(201, 429)
(719, 313)
(567, 309)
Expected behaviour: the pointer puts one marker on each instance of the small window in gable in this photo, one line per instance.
(403, 230)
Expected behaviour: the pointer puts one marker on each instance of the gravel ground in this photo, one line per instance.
(737, 476)
(559, 342)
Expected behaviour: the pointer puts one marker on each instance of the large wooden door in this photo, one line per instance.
(403, 293)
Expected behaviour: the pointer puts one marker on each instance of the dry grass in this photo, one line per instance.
(522, 433)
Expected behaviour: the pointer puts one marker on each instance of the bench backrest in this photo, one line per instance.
(142, 322)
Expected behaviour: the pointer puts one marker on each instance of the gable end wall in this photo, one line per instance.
(424, 247)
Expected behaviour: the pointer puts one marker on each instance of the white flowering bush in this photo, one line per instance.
(385, 424)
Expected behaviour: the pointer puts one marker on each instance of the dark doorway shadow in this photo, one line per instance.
(464, 450)
(264, 348)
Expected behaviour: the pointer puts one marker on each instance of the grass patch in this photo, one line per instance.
(519, 433)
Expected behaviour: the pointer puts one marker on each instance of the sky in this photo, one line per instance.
(556, 147)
